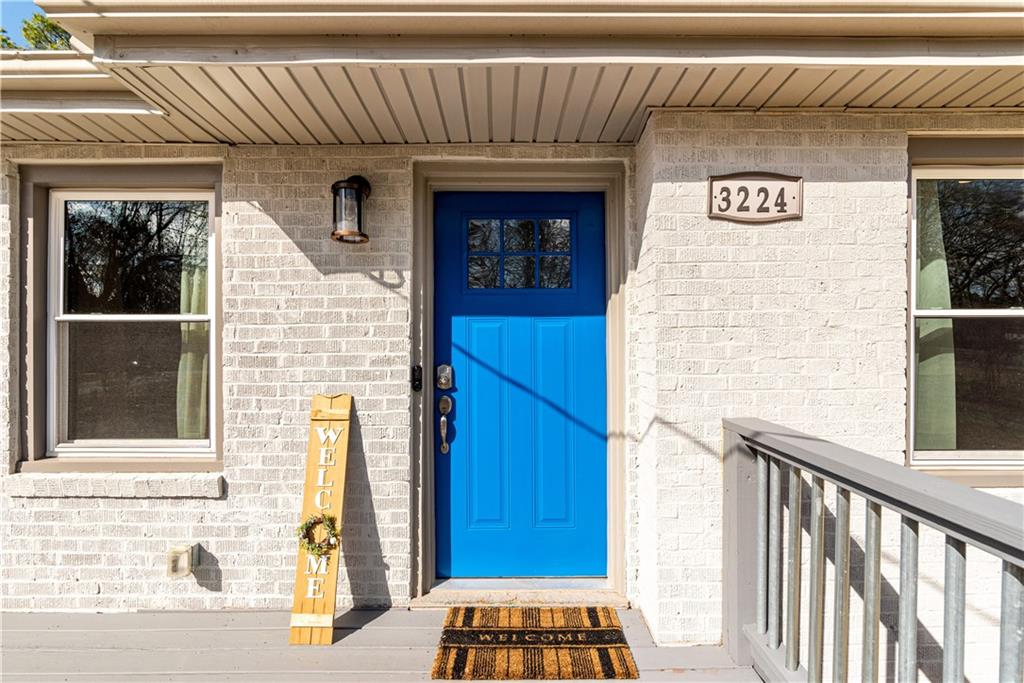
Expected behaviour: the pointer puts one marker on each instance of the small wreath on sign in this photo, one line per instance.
(306, 539)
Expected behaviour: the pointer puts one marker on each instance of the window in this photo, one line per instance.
(130, 329)
(967, 316)
(519, 253)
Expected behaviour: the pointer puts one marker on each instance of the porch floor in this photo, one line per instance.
(370, 645)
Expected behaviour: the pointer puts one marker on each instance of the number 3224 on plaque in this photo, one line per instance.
(755, 197)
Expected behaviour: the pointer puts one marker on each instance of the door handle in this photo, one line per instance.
(444, 405)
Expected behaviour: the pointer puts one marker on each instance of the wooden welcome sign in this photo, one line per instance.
(316, 575)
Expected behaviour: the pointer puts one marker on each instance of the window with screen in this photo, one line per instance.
(131, 323)
(967, 310)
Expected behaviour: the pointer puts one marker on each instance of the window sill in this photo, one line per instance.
(112, 463)
(976, 477)
(113, 479)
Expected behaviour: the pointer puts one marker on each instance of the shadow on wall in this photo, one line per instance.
(679, 432)
(207, 572)
(363, 568)
(305, 221)
(384, 260)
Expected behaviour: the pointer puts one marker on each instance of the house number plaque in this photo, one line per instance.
(755, 197)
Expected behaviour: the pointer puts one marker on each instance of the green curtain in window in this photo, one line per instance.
(194, 365)
(935, 413)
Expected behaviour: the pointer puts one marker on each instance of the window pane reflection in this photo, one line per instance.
(483, 272)
(483, 234)
(135, 256)
(555, 235)
(969, 384)
(519, 235)
(555, 272)
(527, 253)
(519, 272)
(970, 243)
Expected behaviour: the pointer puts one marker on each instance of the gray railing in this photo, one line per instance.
(762, 596)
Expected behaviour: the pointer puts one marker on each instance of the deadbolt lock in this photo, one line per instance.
(444, 377)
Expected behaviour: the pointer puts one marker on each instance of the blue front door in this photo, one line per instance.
(520, 318)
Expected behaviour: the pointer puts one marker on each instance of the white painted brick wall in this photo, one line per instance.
(802, 323)
(301, 314)
(642, 581)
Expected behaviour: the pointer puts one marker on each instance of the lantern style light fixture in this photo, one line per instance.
(348, 209)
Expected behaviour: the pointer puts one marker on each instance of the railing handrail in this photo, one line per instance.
(981, 519)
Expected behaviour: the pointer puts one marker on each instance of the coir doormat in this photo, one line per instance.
(549, 643)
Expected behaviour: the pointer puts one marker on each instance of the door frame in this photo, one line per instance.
(608, 177)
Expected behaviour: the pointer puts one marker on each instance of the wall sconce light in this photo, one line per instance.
(348, 209)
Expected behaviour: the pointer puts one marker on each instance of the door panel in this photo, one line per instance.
(520, 316)
(486, 395)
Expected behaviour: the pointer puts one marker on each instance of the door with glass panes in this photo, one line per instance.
(520, 384)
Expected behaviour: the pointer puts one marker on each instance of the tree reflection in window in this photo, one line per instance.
(520, 253)
(519, 272)
(555, 235)
(129, 256)
(483, 272)
(483, 234)
(519, 235)
(555, 272)
(969, 370)
(981, 230)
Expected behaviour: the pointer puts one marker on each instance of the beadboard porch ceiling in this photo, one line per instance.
(349, 91)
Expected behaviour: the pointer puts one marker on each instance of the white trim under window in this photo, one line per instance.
(952, 458)
(57, 441)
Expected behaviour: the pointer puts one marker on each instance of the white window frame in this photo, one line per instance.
(972, 459)
(57, 444)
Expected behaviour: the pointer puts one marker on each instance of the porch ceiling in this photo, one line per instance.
(332, 103)
(253, 90)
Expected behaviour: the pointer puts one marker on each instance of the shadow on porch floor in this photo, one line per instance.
(389, 645)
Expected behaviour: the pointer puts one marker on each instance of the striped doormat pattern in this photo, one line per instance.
(533, 643)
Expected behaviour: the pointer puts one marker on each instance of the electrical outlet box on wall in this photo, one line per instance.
(181, 560)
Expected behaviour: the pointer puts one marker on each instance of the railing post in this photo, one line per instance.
(908, 601)
(762, 543)
(816, 645)
(1011, 623)
(793, 571)
(872, 591)
(841, 624)
(953, 611)
(740, 545)
(774, 553)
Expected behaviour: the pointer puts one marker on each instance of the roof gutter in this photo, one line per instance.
(876, 18)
